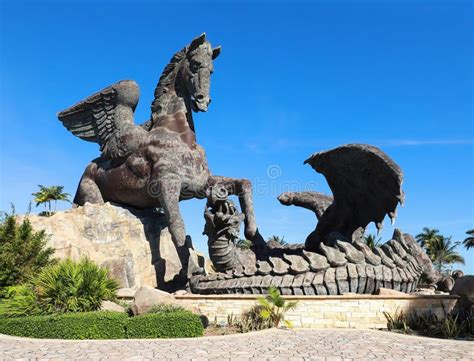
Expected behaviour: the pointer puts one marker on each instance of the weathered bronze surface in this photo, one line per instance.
(158, 163)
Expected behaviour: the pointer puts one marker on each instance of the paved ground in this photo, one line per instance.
(265, 345)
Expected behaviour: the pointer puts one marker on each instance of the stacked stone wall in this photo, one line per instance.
(346, 311)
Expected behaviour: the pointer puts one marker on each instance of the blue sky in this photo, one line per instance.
(293, 78)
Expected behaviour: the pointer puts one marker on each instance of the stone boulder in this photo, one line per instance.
(126, 293)
(135, 246)
(146, 297)
(111, 306)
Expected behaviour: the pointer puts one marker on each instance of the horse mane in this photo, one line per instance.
(167, 78)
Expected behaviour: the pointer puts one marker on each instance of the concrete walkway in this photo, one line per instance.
(272, 344)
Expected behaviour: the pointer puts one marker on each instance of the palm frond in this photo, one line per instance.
(469, 241)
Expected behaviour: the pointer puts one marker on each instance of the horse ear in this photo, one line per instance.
(198, 41)
(216, 52)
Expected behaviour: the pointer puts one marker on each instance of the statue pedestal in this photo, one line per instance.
(135, 246)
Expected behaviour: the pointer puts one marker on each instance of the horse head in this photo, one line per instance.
(195, 73)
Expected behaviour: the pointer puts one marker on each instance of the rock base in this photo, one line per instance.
(135, 246)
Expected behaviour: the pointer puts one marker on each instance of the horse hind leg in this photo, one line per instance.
(88, 190)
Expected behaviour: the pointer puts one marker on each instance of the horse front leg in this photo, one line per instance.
(168, 189)
(243, 189)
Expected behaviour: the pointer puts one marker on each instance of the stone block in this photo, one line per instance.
(146, 297)
(111, 306)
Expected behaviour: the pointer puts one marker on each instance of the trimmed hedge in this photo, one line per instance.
(74, 326)
(165, 325)
(104, 325)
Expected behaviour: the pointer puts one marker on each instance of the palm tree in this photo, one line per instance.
(59, 195)
(469, 241)
(278, 239)
(48, 194)
(274, 307)
(244, 243)
(442, 251)
(372, 241)
(428, 235)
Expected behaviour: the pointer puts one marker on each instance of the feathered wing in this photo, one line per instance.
(366, 186)
(101, 117)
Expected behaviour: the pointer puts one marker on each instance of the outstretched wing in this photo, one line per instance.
(97, 118)
(366, 186)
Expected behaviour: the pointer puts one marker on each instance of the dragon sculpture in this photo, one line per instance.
(366, 186)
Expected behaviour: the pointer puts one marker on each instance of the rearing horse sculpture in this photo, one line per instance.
(159, 163)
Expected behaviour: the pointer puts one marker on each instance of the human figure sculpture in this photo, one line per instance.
(158, 163)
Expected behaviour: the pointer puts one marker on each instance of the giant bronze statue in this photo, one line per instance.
(159, 163)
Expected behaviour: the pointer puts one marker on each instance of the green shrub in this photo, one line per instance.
(165, 325)
(453, 325)
(19, 301)
(165, 308)
(76, 326)
(398, 321)
(73, 287)
(23, 252)
(104, 325)
(251, 320)
(422, 320)
(64, 287)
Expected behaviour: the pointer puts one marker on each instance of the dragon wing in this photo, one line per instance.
(101, 116)
(366, 185)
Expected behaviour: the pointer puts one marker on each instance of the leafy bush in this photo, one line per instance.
(165, 308)
(23, 252)
(165, 325)
(453, 325)
(76, 326)
(74, 287)
(397, 322)
(19, 301)
(274, 307)
(270, 312)
(252, 320)
(425, 321)
(64, 287)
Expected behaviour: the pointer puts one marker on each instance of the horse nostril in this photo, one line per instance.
(209, 101)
